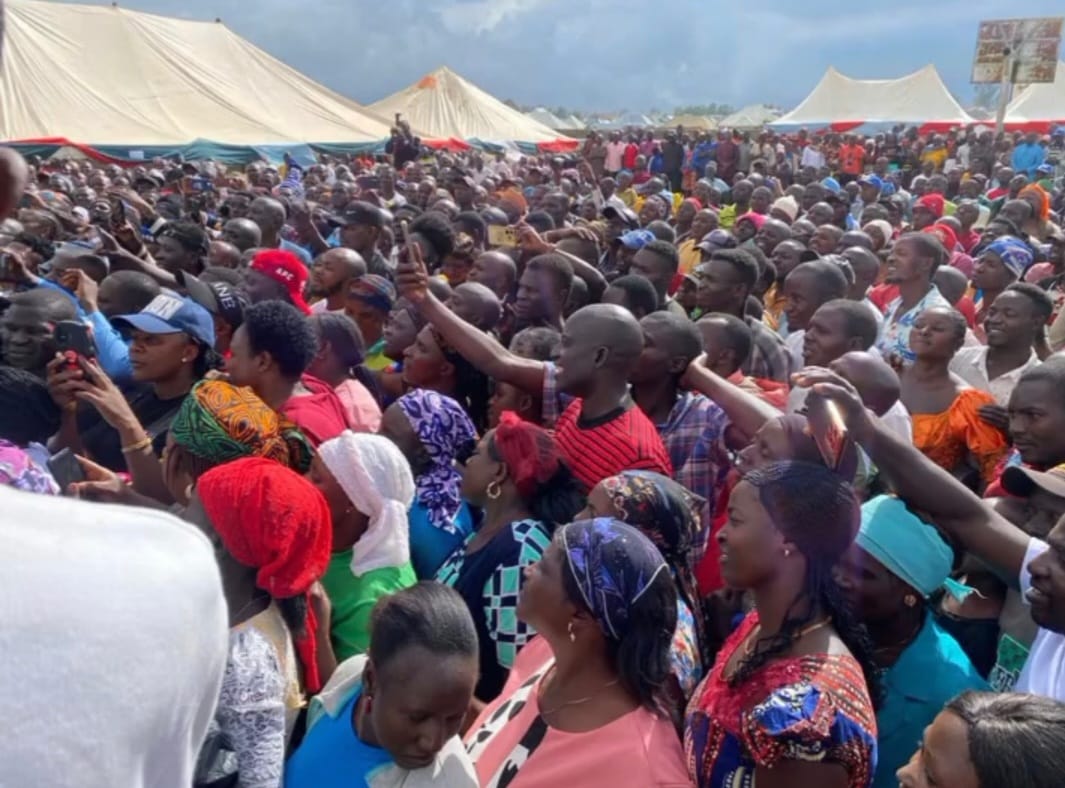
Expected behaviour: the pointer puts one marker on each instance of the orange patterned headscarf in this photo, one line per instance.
(220, 422)
(1044, 199)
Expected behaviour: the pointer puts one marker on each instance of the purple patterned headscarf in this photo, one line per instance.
(447, 434)
(612, 564)
(18, 470)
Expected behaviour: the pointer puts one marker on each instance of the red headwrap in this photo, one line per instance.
(946, 235)
(273, 519)
(528, 451)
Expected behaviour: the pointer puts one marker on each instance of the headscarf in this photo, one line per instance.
(447, 434)
(885, 229)
(666, 513)
(695, 202)
(18, 470)
(1044, 199)
(787, 205)
(804, 447)
(910, 549)
(220, 422)
(271, 518)
(756, 219)
(1013, 252)
(529, 452)
(946, 235)
(612, 565)
(376, 477)
(374, 291)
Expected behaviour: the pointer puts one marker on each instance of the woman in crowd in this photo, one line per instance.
(1039, 226)
(18, 470)
(584, 704)
(433, 432)
(518, 483)
(430, 363)
(171, 349)
(339, 363)
(667, 514)
(895, 564)
(946, 412)
(747, 227)
(271, 528)
(790, 437)
(983, 740)
(1000, 264)
(392, 717)
(369, 487)
(788, 699)
(401, 329)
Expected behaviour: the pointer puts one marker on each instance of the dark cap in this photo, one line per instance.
(360, 212)
(218, 298)
(626, 215)
(1022, 482)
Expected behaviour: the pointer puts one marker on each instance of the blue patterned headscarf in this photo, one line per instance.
(447, 434)
(1013, 252)
(612, 564)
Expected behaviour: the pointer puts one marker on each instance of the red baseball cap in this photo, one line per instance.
(933, 203)
(287, 270)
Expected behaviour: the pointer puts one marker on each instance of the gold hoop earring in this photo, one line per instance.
(572, 635)
(910, 600)
(494, 490)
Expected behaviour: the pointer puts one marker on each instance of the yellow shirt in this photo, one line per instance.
(726, 217)
(628, 196)
(689, 255)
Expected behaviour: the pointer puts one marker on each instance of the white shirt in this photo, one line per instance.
(794, 342)
(321, 306)
(1044, 671)
(114, 641)
(812, 158)
(970, 364)
(615, 154)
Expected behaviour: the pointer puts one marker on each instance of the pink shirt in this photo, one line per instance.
(363, 412)
(637, 749)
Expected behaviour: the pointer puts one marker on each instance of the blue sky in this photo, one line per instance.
(610, 54)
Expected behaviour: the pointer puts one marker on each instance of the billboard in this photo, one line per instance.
(1033, 45)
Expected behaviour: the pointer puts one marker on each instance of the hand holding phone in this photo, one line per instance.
(66, 470)
(74, 340)
(500, 235)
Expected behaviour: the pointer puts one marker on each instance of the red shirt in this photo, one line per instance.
(968, 240)
(851, 159)
(605, 447)
(320, 415)
(628, 158)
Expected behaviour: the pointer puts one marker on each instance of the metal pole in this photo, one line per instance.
(1004, 90)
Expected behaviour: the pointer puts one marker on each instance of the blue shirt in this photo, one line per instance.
(332, 756)
(1027, 157)
(929, 673)
(112, 351)
(430, 546)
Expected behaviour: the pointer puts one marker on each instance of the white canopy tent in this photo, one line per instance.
(841, 103)
(443, 105)
(104, 76)
(547, 118)
(1039, 107)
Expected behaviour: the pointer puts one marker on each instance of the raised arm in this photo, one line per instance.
(746, 412)
(477, 347)
(923, 484)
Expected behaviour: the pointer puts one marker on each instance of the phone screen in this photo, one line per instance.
(498, 235)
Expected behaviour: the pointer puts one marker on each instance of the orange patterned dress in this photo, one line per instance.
(948, 438)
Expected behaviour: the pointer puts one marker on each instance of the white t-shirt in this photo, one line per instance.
(1044, 672)
(114, 640)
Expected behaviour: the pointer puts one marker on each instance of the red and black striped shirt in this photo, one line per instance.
(621, 441)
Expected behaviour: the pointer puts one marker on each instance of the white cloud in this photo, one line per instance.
(484, 16)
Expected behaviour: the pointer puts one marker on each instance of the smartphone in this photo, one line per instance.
(118, 210)
(200, 184)
(66, 469)
(499, 235)
(368, 182)
(408, 244)
(74, 339)
(829, 432)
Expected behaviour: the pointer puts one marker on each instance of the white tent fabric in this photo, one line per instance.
(573, 123)
(692, 122)
(104, 75)
(443, 105)
(918, 99)
(547, 118)
(753, 116)
(1039, 105)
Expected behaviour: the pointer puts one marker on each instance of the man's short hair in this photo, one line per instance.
(1041, 303)
(557, 265)
(666, 251)
(742, 261)
(737, 334)
(278, 328)
(192, 237)
(858, 320)
(639, 293)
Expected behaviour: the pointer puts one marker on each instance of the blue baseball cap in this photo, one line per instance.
(636, 239)
(871, 180)
(169, 313)
(832, 185)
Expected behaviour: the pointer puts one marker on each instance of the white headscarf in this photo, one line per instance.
(377, 479)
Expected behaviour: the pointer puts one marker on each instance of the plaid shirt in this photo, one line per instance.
(769, 357)
(694, 436)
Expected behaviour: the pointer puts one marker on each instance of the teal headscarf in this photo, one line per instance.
(909, 548)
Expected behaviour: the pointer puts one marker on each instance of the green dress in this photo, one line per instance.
(353, 598)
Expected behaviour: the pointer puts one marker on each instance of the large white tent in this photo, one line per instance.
(841, 103)
(1039, 107)
(443, 105)
(754, 116)
(547, 118)
(692, 122)
(136, 84)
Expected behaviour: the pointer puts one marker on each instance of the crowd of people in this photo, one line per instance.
(679, 460)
